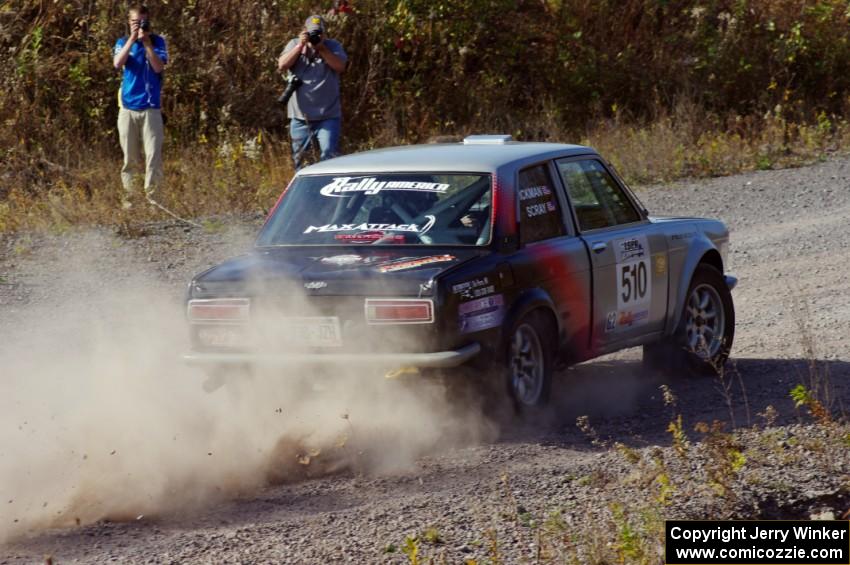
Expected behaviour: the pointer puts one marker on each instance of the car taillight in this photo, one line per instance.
(221, 310)
(399, 311)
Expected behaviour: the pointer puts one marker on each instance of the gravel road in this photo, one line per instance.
(549, 490)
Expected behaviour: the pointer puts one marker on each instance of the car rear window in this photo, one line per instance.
(383, 209)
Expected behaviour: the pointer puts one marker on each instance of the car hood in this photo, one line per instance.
(340, 271)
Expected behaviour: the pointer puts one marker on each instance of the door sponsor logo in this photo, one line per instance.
(630, 318)
(624, 319)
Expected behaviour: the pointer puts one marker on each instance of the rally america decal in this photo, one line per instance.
(412, 228)
(346, 186)
(413, 262)
(481, 314)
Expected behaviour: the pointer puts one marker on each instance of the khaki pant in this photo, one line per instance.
(138, 128)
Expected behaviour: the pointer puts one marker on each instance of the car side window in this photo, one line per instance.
(540, 211)
(598, 200)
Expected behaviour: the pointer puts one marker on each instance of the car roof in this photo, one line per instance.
(444, 157)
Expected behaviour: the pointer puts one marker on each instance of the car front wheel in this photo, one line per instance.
(705, 332)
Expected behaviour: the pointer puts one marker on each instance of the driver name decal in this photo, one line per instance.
(344, 186)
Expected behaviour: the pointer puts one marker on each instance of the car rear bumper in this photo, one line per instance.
(437, 359)
(731, 281)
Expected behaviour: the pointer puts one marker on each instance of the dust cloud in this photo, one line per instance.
(100, 419)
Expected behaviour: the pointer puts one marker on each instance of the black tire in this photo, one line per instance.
(703, 338)
(529, 361)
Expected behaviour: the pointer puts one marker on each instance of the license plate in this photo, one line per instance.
(312, 332)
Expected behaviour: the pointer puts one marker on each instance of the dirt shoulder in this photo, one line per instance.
(549, 489)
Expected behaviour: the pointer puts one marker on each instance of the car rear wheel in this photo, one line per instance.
(529, 361)
(705, 332)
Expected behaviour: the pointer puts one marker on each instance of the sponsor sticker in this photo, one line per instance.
(629, 318)
(412, 263)
(469, 285)
(611, 322)
(686, 235)
(345, 186)
(660, 264)
(481, 314)
(342, 259)
(475, 288)
(369, 237)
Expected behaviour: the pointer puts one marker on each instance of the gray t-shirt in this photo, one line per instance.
(318, 97)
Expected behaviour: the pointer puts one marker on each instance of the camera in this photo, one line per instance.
(145, 25)
(292, 84)
(314, 37)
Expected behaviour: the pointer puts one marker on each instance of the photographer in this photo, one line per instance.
(143, 57)
(314, 108)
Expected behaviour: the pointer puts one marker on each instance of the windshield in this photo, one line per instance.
(409, 208)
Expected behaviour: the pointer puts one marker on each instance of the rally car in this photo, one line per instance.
(508, 257)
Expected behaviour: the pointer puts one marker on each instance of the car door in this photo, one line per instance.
(550, 256)
(628, 254)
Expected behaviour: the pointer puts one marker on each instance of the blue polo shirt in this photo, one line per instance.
(141, 86)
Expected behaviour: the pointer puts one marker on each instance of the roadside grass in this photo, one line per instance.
(706, 463)
(245, 174)
(616, 531)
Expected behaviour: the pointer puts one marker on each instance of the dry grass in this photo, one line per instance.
(246, 174)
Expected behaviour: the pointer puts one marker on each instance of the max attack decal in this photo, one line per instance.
(411, 263)
(481, 314)
(343, 186)
(413, 228)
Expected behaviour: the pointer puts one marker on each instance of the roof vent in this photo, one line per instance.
(487, 139)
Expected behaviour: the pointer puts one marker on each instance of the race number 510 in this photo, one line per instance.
(634, 284)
